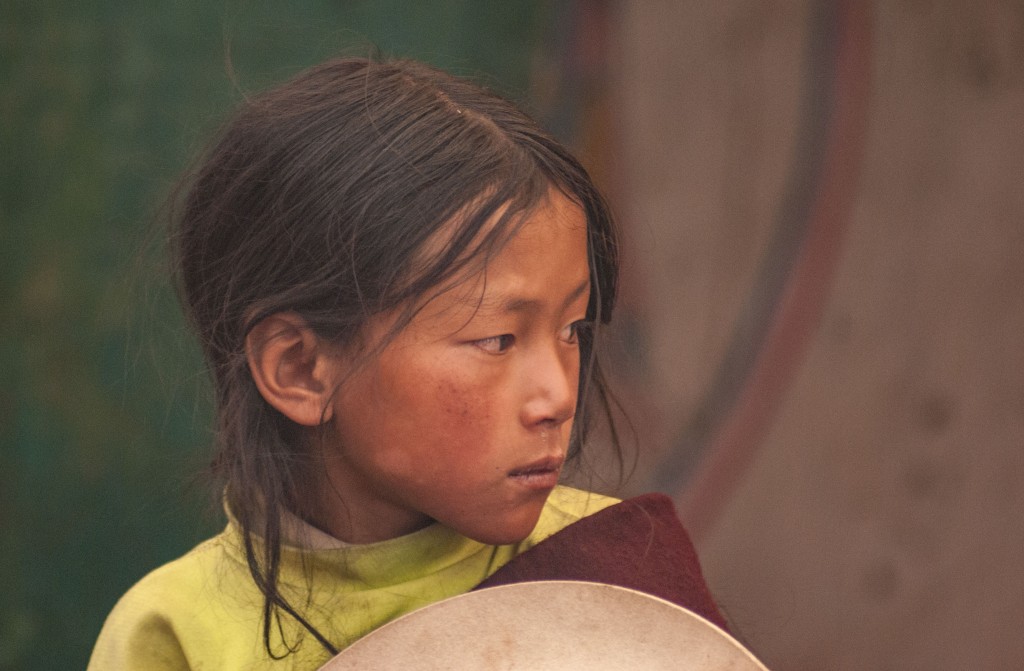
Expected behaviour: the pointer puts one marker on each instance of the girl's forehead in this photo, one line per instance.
(512, 221)
(545, 257)
(509, 220)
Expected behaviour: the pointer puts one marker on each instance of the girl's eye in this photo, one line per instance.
(572, 331)
(496, 344)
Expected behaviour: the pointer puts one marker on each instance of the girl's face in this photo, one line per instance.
(465, 416)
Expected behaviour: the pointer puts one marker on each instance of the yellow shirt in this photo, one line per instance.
(203, 611)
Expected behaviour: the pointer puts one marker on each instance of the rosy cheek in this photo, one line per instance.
(464, 405)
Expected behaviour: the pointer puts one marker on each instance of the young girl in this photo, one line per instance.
(397, 280)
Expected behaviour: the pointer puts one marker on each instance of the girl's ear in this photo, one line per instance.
(292, 368)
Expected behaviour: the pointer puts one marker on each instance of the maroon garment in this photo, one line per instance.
(638, 543)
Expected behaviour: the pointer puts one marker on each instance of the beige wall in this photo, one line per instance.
(880, 521)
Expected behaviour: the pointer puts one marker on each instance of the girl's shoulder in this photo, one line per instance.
(181, 600)
(188, 576)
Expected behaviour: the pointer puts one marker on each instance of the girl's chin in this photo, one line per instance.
(506, 532)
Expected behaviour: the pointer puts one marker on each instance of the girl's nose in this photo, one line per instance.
(552, 380)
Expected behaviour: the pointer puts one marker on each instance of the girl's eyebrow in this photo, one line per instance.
(515, 304)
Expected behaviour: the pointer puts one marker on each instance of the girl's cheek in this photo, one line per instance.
(461, 403)
(466, 404)
(398, 462)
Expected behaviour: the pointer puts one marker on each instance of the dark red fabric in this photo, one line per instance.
(638, 543)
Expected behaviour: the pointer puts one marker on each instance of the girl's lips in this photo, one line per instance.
(541, 474)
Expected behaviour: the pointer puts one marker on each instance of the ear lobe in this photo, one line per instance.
(291, 368)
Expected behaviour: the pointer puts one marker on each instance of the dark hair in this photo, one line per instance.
(318, 197)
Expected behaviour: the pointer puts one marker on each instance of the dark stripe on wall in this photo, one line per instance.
(782, 312)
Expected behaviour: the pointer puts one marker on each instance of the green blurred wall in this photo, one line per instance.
(103, 411)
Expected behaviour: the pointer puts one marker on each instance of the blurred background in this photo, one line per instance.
(819, 339)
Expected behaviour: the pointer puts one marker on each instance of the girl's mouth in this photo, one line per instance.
(542, 474)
